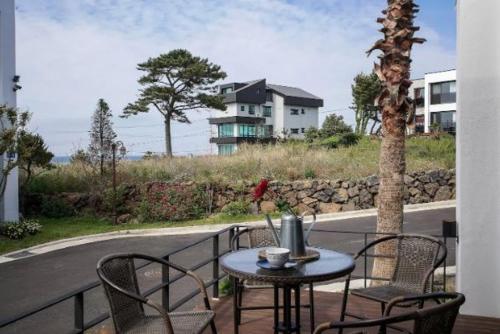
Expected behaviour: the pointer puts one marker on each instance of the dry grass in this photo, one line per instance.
(288, 161)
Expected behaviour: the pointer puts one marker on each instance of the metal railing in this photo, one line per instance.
(80, 325)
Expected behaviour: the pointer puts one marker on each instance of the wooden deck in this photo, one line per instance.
(327, 309)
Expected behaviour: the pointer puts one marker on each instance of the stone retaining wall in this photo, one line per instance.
(321, 196)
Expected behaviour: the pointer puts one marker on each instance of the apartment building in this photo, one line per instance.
(435, 98)
(261, 112)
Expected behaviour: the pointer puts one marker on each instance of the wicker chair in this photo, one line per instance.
(118, 275)
(436, 319)
(417, 257)
(261, 237)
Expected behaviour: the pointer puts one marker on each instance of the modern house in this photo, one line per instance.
(9, 206)
(261, 112)
(435, 98)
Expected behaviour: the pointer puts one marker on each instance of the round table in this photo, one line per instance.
(243, 265)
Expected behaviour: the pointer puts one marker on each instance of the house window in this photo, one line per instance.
(226, 130)
(294, 131)
(419, 97)
(303, 111)
(242, 108)
(227, 90)
(302, 130)
(443, 92)
(294, 111)
(226, 149)
(246, 130)
(269, 96)
(267, 111)
(251, 109)
(445, 120)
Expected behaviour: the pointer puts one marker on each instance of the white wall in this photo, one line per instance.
(431, 78)
(310, 118)
(9, 205)
(478, 156)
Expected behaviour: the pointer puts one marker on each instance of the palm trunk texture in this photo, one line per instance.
(394, 72)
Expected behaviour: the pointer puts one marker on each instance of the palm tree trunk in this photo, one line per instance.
(394, 73)
(168, 137)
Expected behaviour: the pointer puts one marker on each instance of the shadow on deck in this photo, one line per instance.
(327, 309)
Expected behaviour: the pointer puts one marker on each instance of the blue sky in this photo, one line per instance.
(72, 52)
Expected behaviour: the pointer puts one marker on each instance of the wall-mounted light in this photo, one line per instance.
(16, 87)
(16, 78)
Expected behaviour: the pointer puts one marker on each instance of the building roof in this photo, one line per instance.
(292, 91)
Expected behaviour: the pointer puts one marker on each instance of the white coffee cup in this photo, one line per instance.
(277, 257)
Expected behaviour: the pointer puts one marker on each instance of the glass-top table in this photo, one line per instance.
(242, 265)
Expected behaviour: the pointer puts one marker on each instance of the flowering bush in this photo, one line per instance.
(18, 230)
(165, 201)
(236, 208)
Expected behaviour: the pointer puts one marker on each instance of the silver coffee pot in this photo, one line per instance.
(292, 233)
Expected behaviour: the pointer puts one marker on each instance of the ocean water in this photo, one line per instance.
(64, 159)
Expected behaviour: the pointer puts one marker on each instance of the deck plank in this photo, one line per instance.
(327, 309)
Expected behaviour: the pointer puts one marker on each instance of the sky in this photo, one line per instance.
(70, 53)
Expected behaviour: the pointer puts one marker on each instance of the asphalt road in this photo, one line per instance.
(32, 281)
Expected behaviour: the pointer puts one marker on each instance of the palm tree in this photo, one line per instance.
(394, 73)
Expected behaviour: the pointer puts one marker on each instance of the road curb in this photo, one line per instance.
(81, 240)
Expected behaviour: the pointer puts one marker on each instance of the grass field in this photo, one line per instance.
(286, 161)
(57, 229)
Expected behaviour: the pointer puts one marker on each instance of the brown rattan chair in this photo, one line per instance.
(261, 236)
(118, 275)
(417, 257)
(436, 319)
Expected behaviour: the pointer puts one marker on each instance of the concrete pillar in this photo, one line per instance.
(9, 210)
(478, 156)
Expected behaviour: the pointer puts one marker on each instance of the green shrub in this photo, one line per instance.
(342, 140)
(13, 230)
(309, 173)
(225, 287)
(54, 207)
(18, 230)
(173, 202)
(108, 199)
(236, 208)
(31, 226)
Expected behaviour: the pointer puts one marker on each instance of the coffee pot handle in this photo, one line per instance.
(309, 230)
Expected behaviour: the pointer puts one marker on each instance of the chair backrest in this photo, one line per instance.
(417, 257)
(120, 271)
(261, 237)
(438, 319)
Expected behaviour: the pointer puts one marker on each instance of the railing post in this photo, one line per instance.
(79, 319)
(165, 278)
(365, 259)
(231, 235)
(444, 265)
(215, 265)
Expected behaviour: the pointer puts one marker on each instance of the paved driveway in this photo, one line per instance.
(31, 281)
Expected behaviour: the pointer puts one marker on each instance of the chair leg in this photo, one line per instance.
(382, 308)
(240, 301)
(344, 300)
(212, 326)
(311, 307)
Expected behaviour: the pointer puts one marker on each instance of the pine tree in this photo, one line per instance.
(102, 135)
(175, 83)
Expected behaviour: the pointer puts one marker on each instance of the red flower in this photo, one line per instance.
(260, 190)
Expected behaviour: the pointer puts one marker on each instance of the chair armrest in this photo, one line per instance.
(415, 298)
(164, 315)
(236, 237)
(364, 323)
(202, 288)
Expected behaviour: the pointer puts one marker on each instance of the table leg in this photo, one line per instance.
(235, 304)
(287, 310)
(297, 309)
(276, 310)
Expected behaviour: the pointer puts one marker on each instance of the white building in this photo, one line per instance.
(435, 99)
(9, 207)
(260, 112)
